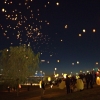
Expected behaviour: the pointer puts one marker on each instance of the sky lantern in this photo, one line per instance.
(84, 30)
(96, 63)
(55, 68)
(61, 40)
(42, 60)
(65, 26)
(79, 35)
(93, 30)
(72, 63)
(57, 3)
(49, 79)
(3, 10)
(77, 62)
(48, 62)
(58, 60)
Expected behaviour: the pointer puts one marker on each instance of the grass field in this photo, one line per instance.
(52, 94)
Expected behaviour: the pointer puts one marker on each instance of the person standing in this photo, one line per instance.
(68, 84)
(87, 80)
(91, 80)
(43, 87)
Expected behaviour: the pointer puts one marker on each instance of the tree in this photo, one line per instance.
(18, 63)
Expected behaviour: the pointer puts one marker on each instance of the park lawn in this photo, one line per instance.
(86, 94)
(52, 94)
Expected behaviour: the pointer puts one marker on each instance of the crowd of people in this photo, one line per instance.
(88, 80)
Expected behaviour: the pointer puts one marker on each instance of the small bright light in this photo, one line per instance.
(47, 61)
(42, 60)
(58, 60)
(94, 30)
(57, 3)
(51, 86)
(55, 68)
(3, 9)
(72, 63)
(79, 35)
(97, 63)
(61, 40)
(65, 26)
(77, 62)
(64, 75)
(49, 79)
(84, 30)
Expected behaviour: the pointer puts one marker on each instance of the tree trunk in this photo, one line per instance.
(17, 87)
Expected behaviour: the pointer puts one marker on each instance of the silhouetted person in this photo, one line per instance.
(87, 80)
(91, 80)
(68, 84)
(43, 87)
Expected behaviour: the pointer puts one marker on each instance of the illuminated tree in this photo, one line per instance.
(18, 63)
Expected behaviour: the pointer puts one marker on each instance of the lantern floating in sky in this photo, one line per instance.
(79, 35)
(94, 30)
(65, 26)
(58, 61)
(72, 63)
(61, 40)
(47, 61)
(77, 62)
(42, 60)
(3, 10)
(57, 3)
(84, 30)
(97, 63)
(55, 68)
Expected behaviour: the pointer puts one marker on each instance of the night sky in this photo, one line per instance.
(63, 31)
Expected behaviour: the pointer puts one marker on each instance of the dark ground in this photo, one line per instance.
(52, 94)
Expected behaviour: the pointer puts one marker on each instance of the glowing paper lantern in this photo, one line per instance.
(98, 80)
(62, 85)
(58, 60)
(84, 30)
(65, 26)
(19, 86)
(94, 30)
(77, 62)
(40, 84)
(79, 35)
(57, 3)
(64, 75)
(97, 63)
(49, 78)
(80, 84)
(3, 9)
